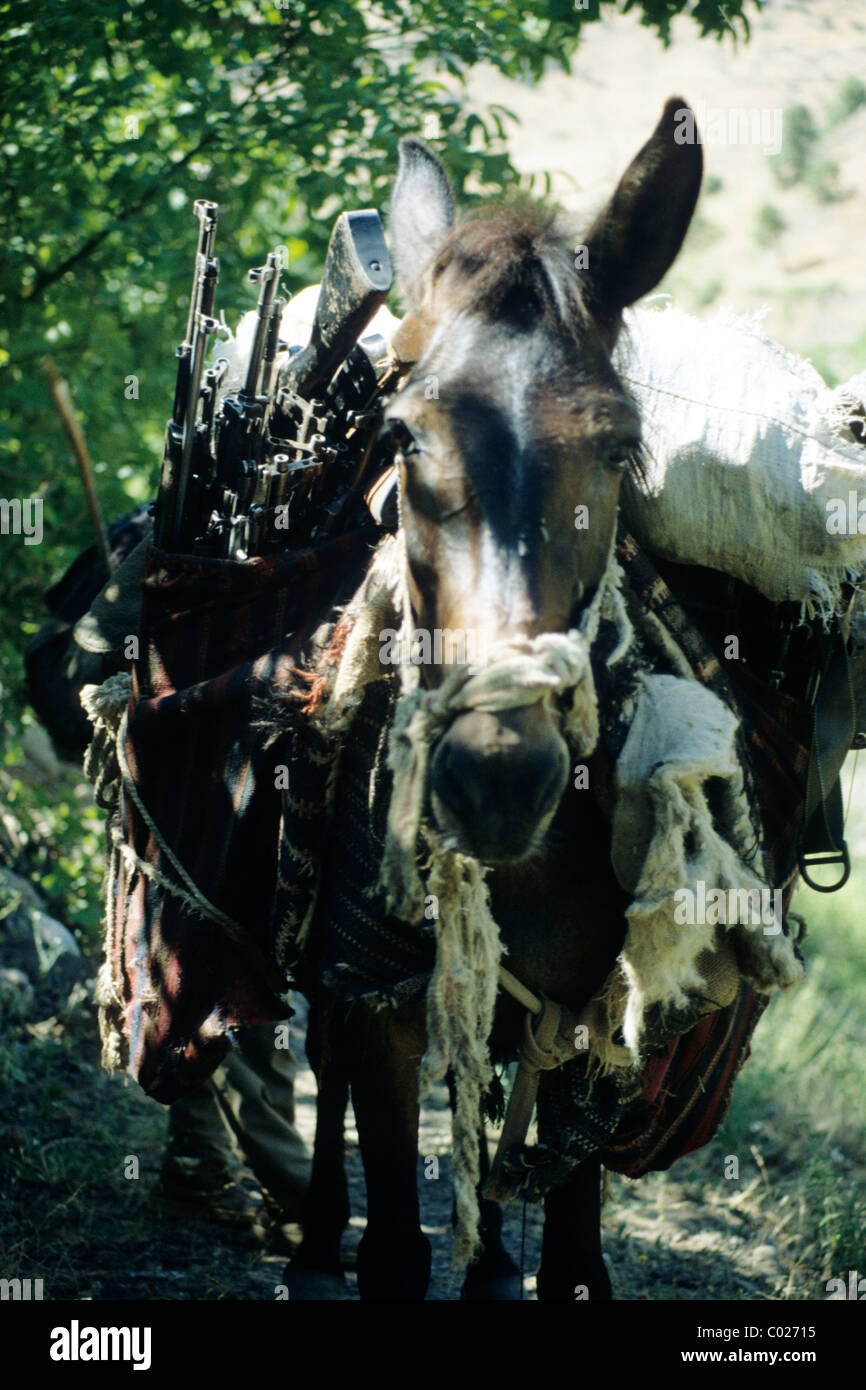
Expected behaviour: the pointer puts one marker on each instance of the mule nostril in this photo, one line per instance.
(548, 789)
(456, 781)
(495, 797)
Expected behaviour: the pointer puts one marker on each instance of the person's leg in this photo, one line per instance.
(255, 1090)
(196, 1127)
(198, 1160)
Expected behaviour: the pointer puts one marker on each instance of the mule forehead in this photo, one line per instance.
(516, 413)
(511, 440)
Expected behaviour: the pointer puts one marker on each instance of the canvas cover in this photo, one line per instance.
(752, 461)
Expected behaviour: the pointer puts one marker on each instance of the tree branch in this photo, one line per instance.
(48, 277)
(44, 278)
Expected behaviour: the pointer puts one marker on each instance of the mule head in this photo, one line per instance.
(513, 435)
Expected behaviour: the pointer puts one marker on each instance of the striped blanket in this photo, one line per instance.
(199, 804)
(225, 871)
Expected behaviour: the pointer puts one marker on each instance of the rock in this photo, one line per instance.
(52, 941)
(17, 894)
(79, 1008)
(32, 939)
(39, 751)
(16, 994)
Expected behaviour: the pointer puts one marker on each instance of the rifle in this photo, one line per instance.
(355, 281)
(241, 427)
(181, 428)
(283, 456)
(326, 433)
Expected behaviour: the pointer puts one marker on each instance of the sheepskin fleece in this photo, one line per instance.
(681, 736)
(747, 446)
(681, 816)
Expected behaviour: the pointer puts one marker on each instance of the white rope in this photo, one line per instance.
(514, 674)
(461, 996)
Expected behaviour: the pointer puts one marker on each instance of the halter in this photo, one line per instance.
(513, 674)
(461, 995)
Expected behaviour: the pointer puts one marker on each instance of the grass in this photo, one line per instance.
(65, 1128)
(769, 225)
(71, 1217)
(800, 1098)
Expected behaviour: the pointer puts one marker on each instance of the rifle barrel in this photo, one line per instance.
(207, 219)
(268, 277)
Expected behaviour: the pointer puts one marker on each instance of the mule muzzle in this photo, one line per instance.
(496, 780)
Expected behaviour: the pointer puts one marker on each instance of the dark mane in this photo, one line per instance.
(516, 255)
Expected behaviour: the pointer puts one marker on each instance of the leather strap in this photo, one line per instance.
(549, 1040)
(823, 838)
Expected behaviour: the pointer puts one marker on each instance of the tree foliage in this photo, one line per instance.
(116, 117)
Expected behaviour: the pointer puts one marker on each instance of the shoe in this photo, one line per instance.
(278, 1224)
(203, 1187)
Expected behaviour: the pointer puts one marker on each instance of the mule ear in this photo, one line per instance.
(635, 240)
(422, 210)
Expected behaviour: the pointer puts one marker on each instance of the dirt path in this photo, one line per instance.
(91, 1234)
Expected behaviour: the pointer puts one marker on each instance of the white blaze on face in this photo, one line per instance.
(489, 577)
(501, 606)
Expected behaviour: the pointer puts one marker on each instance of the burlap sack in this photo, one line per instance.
(752, 464)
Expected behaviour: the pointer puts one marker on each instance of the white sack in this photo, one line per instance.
(746, 448)
(296, 326)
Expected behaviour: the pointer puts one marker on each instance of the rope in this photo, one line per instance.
(193, 896)
(519, 991)
(461, 996)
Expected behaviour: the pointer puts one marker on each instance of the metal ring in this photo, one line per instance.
(840, 856)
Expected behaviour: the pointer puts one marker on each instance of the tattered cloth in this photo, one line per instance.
(637, 1119)
(199, 796)
(221, 881)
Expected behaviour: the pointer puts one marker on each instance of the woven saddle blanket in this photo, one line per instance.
(244, 846)
(200, 795)
(675, 1092)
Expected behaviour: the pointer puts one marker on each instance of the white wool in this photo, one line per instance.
(682, 735)
(746, 447)
(296, 326)
(462, 992)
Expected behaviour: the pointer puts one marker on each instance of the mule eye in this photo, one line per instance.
(399, 437)
(618, 457)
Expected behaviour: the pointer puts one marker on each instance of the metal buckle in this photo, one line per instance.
(839, 856)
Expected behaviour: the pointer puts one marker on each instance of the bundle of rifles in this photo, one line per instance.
(285, 461)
